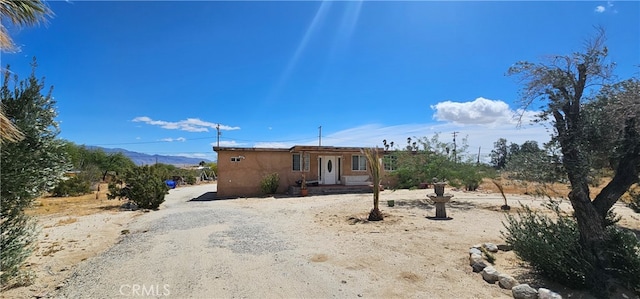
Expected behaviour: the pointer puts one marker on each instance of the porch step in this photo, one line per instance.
(330, 189)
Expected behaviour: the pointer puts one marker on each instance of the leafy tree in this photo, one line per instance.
(533, 164)
(431, 158)
(141, 185)
(561, 83)
(375, 170)
(113, 162)
(499, 154)
(87, 162)
(29, 167)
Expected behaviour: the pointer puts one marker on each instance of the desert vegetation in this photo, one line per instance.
(593, 134)
(427, 158)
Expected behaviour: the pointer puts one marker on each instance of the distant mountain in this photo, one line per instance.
(146, 159)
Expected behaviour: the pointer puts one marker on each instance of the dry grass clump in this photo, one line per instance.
(74, 205)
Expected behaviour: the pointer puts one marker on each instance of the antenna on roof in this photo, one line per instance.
(320, 136)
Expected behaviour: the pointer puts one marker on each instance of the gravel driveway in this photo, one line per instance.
(196, 247)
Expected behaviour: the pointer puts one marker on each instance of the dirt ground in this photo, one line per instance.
(407, 254)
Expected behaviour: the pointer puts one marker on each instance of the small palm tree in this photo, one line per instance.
(373, 165)
(20, 13)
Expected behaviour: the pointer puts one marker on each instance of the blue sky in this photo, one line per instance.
(158, 77)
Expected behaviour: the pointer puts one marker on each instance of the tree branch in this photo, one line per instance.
(626, 172)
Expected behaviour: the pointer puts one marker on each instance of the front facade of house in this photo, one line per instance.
(240, 170)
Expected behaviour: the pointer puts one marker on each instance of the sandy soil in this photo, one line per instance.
(328, 248)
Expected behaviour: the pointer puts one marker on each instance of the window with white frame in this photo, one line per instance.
(390, 162)
(300, 163)
(358, 163)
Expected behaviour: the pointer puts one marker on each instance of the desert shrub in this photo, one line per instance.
(623, 250)
(191, 180)
(270, 183)
(142, 185)
(551, 245)
(29, 167)
(71, 187)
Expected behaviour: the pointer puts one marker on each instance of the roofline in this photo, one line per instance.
(295, 148)
(251, 149)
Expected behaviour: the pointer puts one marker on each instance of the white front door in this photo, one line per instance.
(329, 170)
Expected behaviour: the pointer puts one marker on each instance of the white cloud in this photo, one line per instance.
(480, 111)
(181, 139)
(609, 7)
(189, 124)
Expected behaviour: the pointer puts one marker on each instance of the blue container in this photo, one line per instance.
(170, 183)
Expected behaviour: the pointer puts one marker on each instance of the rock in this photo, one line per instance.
(505, 281)
(490, 247)
(548, 294)
(504, 247)
(475, 250)
(475, 258)
(524, 291)
(129, 206)
(478, 266)
(490, 274)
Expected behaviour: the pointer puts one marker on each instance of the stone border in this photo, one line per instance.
(479, 255)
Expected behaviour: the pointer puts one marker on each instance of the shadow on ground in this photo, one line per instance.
(109, 208)
(210, 196)
(420, 204)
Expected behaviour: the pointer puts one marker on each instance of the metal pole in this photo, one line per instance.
(218, 137)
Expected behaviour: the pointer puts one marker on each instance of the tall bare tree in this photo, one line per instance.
(561, 82)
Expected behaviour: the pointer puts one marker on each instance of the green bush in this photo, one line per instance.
(623, 250)
(551, 246)
(71, 187)
(144, 186)
(191, 180)
(270, 183)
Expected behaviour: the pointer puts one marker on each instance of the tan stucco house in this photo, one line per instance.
(240, 170)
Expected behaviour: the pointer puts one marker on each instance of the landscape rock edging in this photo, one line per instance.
(477, 262)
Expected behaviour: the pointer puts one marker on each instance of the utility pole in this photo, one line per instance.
(218, 137)
(479, 147)
(319, 136)
(455, 155)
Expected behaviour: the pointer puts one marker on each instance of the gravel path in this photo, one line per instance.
(200, 249)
